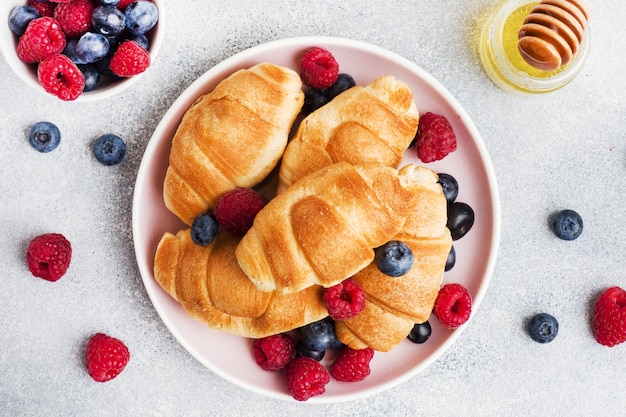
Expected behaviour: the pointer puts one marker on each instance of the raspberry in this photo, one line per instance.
(236, 209)
(344, 300)
(609, 318)
(306, 378)
(43, 38)
(453, 305)
(435, 138)
(59, 76)
(318, 68)
(44, 8)
(48, 256)
(59, 1)
(129, 59)
(74, 17)
(273, 352)
(124, 3)
(106, 357)
(352, 365)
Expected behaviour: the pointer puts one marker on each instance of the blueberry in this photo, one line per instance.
(109, 149)
(394, 258)
(420, 333)
(451, 259)
(141, 16)
(313, 100)
(543, 328)
(450, 186)
(108, 20)
(70, 51)
(20, 17)
(302, 350)
(460, 219)
(567, 224)
(109, 2)
(44, 136)
(319, 336)
(203, 229)
(92, 77)
(103, 66)
(141, 39)
(91, 47)
(344, 82)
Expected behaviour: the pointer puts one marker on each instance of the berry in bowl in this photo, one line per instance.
(80, 50)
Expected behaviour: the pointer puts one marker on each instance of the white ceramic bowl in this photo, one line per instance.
(28, 72)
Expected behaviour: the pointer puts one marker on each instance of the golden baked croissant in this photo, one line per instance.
(208, 283)
(231, 137)
(394, 305)
(373, 123)
(323, 229)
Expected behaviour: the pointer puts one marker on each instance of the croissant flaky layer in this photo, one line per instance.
(231, 137)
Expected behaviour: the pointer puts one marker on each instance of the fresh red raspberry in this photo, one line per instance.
(306, 378)
(352, 365)
(59, 1)
(74, 17)
(106, 357)
(318, 68)
(609, 318)
(236, 209)
(435, 138)
(44, 8)
(48, 256)
(453, 305)
(274, 352)
(129, 59)
(59, 76)
(344, 300)
(43, 38)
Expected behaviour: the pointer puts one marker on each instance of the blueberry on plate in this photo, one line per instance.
(450, 186)
(141, 16)
(567, 224)
(451, 260)
(420, 333)
(20, 17)
(44, 136)
(460, 219)
(92, 77)
(344, 82)
(108, 20)
(319, 336)
(109, 2)
(204, 228)
(543, 328)
(302, 350)
(394, 258)
(313, 100)
(92, 47)
(109, 149)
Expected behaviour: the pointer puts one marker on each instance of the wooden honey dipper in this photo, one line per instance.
(552, 33)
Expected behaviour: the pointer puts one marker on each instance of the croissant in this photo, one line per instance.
(323, 228)
(210, 286)
(394, 305)
(231, 137)
(373, 123)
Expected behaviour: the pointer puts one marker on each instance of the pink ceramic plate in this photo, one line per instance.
(230, 356)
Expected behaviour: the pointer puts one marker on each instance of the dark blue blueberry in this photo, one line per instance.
(451, 259)
(44, 136)
(142, 40)
(320, 336)
(109, 2)
(108, 20)
(394, 258)
(103, 66)
(344, 82)
(460, 219)
(141, 16)
(567, 224)
(109, 149)
(204, 228)
(543, 328)
(302, 350)
(420, 333)
(450, 187)
(92, 77)
(313, 100)
(91, 47)
(70, 51)
(20, 17)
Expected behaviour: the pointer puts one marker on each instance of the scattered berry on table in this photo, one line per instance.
(43, 38)
(460, 219)
(344, 82)
(306, 378)
(91, 47)
(108, 20)
(20, 17)
(236, 209)
(344, 300)
(59, 76)
(318, 68)
(74, 17)
(106, 357)
(44, 136)
(394, 258)
(302, 350)
(451, 260)
(141, 16)
(129, 59)
(109, 149)
(352, 365)
(48, 256)
(203, 229)
(453, 305)
(320, 336)
(450, 186)
(566, 224)
(435, 137)
(45, 8)
(420, 333)
(273, 352)
(609, 317)
(543, 328)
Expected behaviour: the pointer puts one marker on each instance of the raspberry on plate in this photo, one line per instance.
(74, 17)
(236, 209)
(273, 352)
(59, 76)
(453, 305)
(106, 357)
(435, 138)
(48, 256)
(609, 317)
(43, 38)
(344, 300)
(129, 59)
(44, 8)
(306, 378)
(352, 365)
(318, 68)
